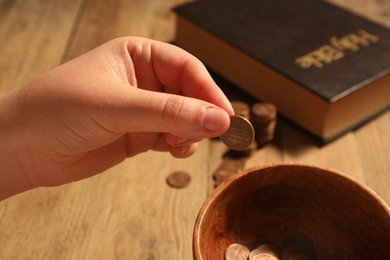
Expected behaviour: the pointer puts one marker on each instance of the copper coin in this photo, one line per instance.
(240, 133)
(236, 252)
(178, 179)
(264, 252)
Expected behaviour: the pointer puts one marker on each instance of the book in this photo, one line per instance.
(326, 69)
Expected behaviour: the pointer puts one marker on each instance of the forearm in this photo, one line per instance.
(14, 167)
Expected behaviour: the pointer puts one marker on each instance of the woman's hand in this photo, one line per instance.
(125, 97)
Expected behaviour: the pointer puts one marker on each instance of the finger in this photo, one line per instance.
(140, 142)
(183, 151)
(157, 143)
(149, 111)
(179, 71)
(173, 140)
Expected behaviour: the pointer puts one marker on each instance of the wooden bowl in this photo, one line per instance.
(328, 213)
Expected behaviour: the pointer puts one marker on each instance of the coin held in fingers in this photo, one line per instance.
(240, 133)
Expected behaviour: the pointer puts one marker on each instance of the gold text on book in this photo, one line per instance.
(336, 48)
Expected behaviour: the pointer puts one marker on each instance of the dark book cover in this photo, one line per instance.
(327, 50)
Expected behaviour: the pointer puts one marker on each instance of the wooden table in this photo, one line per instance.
(129, 212)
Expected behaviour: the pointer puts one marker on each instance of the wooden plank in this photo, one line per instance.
(104, 21)
(33, 37)
(342, 154)
(373, 140)
(292, 144)
(124, 212)
(152, 221)
(164, 228)
(128, 212)
(374, 147)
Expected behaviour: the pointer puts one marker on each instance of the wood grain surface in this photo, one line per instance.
(129, 212)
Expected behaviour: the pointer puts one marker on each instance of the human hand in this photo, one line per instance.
(125, 97)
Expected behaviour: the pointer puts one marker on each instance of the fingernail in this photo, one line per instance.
(214, 119)
(184, 149)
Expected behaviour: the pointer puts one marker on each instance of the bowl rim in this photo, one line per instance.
(196, 241)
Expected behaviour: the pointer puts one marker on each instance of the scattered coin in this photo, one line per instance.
(263, 113)
(179, 179)
(240, 133)
(263, 118)
(237, 252)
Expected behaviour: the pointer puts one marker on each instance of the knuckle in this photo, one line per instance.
(173, 109)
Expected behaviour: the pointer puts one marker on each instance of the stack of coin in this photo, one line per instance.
(241, 109)
(263, 118)
(240, 137)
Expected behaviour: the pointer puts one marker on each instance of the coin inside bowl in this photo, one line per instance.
(325, 212)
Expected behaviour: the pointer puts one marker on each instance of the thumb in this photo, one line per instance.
(149, 111)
